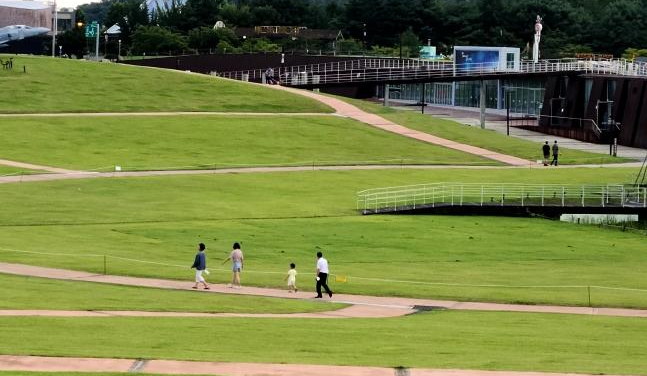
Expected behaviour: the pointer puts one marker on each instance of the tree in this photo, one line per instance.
(128, 14)
(198, 13)
(621, 26)
(73, 40)
(409, 43)
(207, 38)
(156, 39)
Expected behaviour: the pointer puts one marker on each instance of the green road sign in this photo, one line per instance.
(92, 30)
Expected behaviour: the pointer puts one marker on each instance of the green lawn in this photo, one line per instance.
(6, 170)
(62, 85)
(475, 136)
(183, 142)
(41, 293)
(449, 339)
(287, 217)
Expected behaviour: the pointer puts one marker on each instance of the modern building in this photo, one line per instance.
(523, 96)
(30, 13)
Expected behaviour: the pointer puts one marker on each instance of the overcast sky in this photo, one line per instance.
(71, 3)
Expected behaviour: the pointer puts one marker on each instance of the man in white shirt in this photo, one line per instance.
(322, 275)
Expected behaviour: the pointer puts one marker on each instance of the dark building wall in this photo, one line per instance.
(635, 92)
(629, 108)
(234, 62)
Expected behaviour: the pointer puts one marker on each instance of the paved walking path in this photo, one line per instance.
(348, 110)
(400, 304)
(354, 311)
(169, 367)
(29, 166)
(13, 178)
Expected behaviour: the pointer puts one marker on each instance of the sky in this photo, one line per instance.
(71, 3)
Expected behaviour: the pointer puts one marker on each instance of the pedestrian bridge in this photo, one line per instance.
(548, 200)
(396, 71)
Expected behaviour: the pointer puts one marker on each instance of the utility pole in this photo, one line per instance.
(54, 30)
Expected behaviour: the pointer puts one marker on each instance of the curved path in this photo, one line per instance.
(69, 175)
(29, 166)
(402, 305)
(346, 109)
(169, 367)
(354, 311)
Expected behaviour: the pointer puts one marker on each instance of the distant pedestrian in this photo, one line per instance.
(555, 154)
(237, 260)
(322, 275)
(200, 265)
(546, 150)
(292, 278)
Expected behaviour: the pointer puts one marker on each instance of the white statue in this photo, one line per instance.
(535, 47)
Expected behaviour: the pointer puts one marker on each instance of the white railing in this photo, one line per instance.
(524, 195)
(385, 70)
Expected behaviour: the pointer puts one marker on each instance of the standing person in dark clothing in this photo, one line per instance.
(322, 275)
(555, 154)
(546, 150)
(200, 265)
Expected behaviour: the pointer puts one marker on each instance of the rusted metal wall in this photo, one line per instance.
(29, 17)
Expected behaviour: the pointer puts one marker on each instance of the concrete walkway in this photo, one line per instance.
(170, 367)
(72, 175)
(348, 110)
(400, 304)
(354, 311)
(29, 166)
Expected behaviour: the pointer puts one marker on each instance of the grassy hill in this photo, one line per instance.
(286, 217)
(185, 142)
(62, 85)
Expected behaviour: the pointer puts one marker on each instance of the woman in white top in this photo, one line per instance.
(237, 259)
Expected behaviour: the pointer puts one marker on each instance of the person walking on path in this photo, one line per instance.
(322, 275)
(200, 265)
(237, 259)
(546, 150)
(292, 278)
(555, 154)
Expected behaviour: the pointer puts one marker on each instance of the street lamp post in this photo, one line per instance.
(60, 51)
(54, 30)
(119, 51)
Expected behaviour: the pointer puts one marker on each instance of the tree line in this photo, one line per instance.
(380, 26)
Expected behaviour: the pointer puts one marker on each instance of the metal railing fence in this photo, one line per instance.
(384, 70)
(459, 194)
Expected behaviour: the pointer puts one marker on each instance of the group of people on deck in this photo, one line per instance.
(237, 259)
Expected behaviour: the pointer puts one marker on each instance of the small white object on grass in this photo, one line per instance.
(117, 168)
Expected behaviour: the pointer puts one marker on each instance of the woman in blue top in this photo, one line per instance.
(200, 265)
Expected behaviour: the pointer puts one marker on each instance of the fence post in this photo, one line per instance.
(582, 196)
(522, 191)
(452, 195)
(563, 192)
(462, 195)
(481, 195)
(433, 197)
